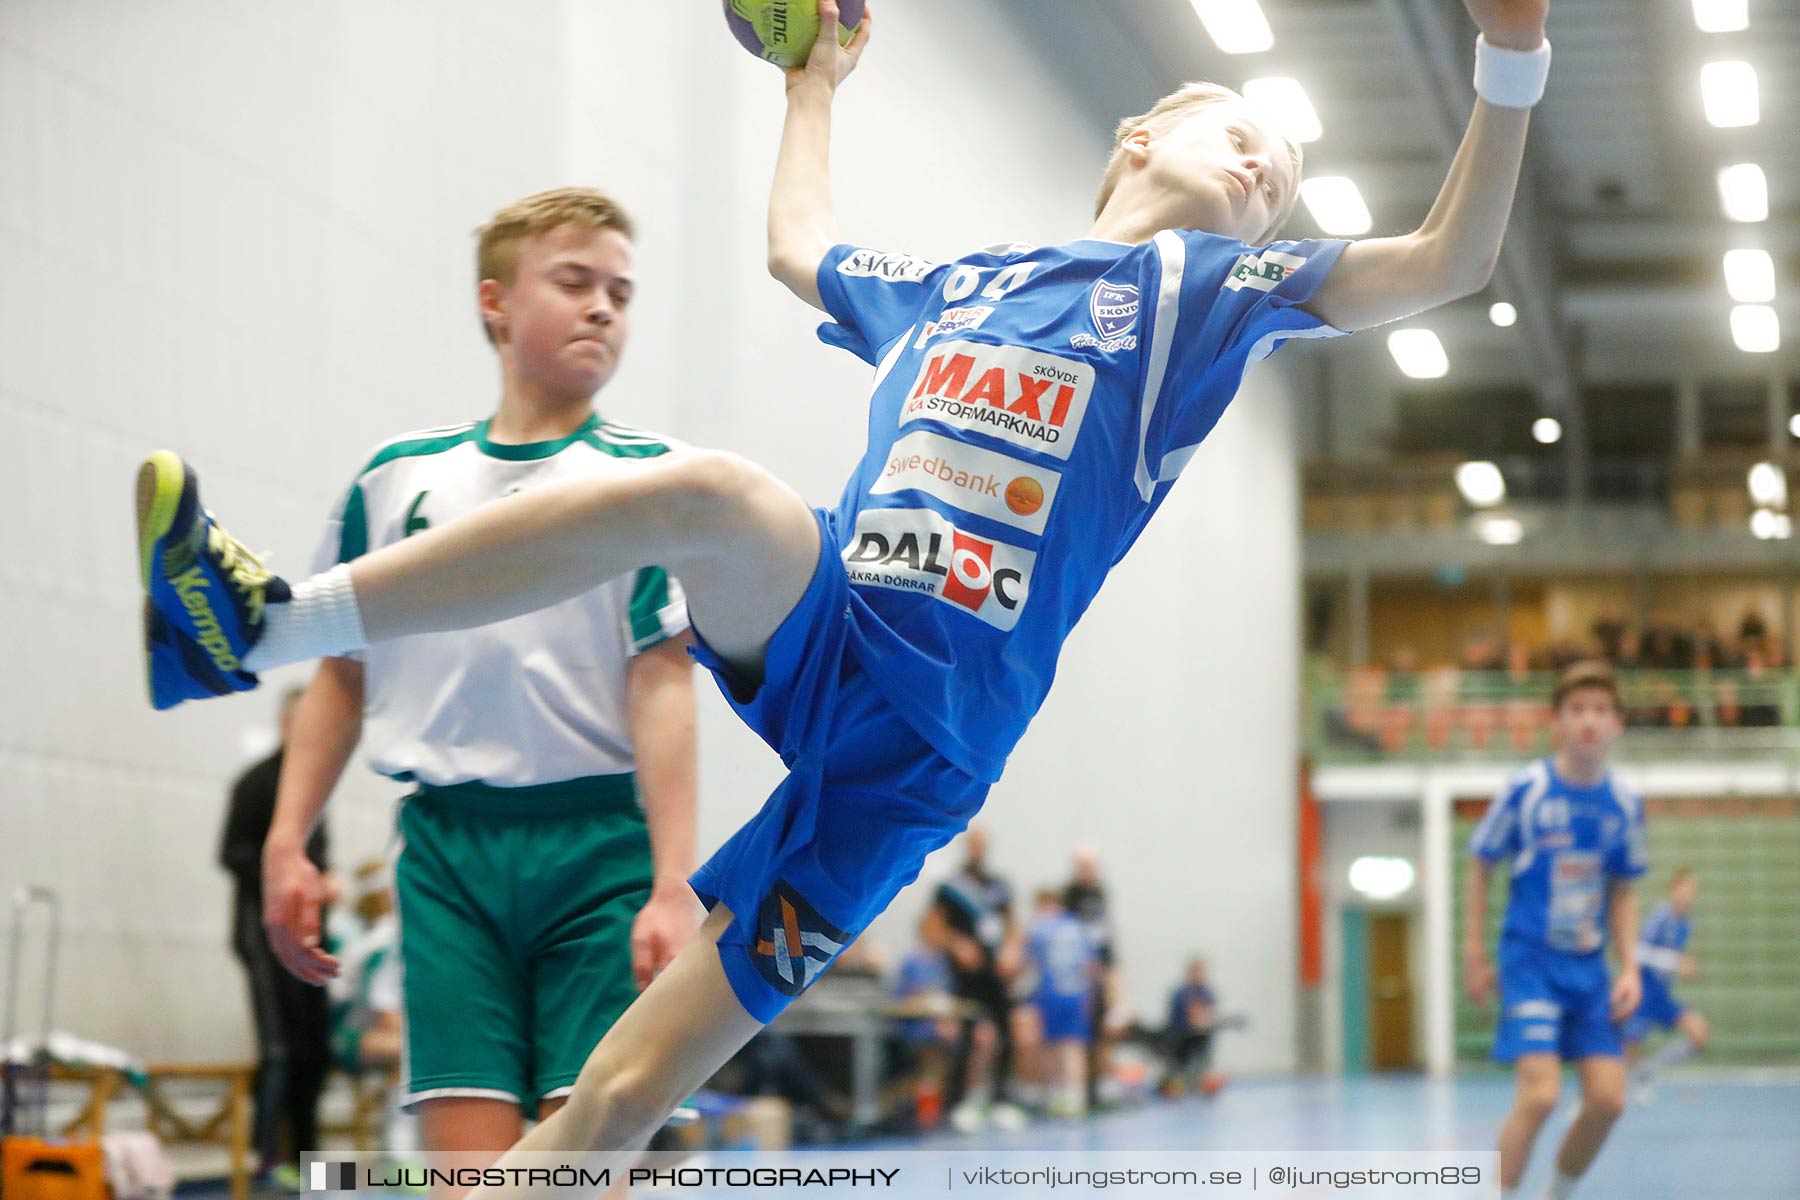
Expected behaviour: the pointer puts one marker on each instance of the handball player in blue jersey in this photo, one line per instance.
(1662, 959)
(1031, 406)
(1065, 962)
(1570, 837)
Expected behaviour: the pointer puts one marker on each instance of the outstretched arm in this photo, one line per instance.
(1453, 254)
(802, 227)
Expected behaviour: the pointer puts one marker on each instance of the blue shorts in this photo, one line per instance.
(1554, 1003)
(865, 800)
(1065, 1018)
(1658, 1008)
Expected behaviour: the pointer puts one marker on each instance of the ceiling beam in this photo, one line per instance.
(1657, 239)
(1526, 272)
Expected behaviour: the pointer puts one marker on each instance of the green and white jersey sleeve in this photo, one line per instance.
(534, 700)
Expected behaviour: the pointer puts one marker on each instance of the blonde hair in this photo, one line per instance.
(1165, 115)
(497, 242)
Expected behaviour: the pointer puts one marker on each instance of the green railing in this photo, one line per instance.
(1374, 716)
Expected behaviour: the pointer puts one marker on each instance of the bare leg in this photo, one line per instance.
(684, 1027)
(984, 1044)
(467, 1126)
(1602, 1100)
(1539, 1076)
(1030, 1065)
(1072, 1075)
(743, 543)
(547, 1109)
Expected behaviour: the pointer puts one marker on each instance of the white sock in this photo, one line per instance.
(1509, 1193)
(1562, 1187)
(321, 621)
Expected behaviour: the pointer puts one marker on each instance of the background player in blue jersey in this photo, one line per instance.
(1663, 958)
(1086, 897)
(1571, 838)
(1032, 407)
(1064, 963)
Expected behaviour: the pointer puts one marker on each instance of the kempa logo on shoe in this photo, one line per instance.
(191, 586)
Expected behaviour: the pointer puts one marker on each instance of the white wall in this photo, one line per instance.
(242, 230)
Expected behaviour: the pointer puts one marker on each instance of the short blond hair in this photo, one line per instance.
(497, 242)
(1165, 115)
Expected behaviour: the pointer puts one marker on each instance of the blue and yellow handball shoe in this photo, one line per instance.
(203, 591)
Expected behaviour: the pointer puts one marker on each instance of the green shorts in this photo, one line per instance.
(515, 911)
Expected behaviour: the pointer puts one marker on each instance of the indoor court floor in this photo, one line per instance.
(1704, 1135)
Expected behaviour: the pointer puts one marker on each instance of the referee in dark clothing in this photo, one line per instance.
(292, 1032)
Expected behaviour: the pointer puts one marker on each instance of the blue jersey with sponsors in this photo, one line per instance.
(1564, 845)
(1032, 406)
(1063, 955)
(1662, 940)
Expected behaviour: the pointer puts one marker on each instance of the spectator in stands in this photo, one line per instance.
(1727, 711)
(292, 1028)
(1709, 649)
(1661, 648)
(1481, 653)
(1752, 629)
(1630, 656)
(1759, 709)
(1680, 676)
(1609, 630)
(1402, 683)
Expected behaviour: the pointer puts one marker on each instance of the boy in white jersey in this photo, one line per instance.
(542, 862)
(1572, 838)
(892, 651)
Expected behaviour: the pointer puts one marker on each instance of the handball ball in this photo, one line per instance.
(783, 31)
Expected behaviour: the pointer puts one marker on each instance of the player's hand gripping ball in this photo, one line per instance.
(783, 31)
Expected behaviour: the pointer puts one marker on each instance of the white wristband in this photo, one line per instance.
(1511, 78)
